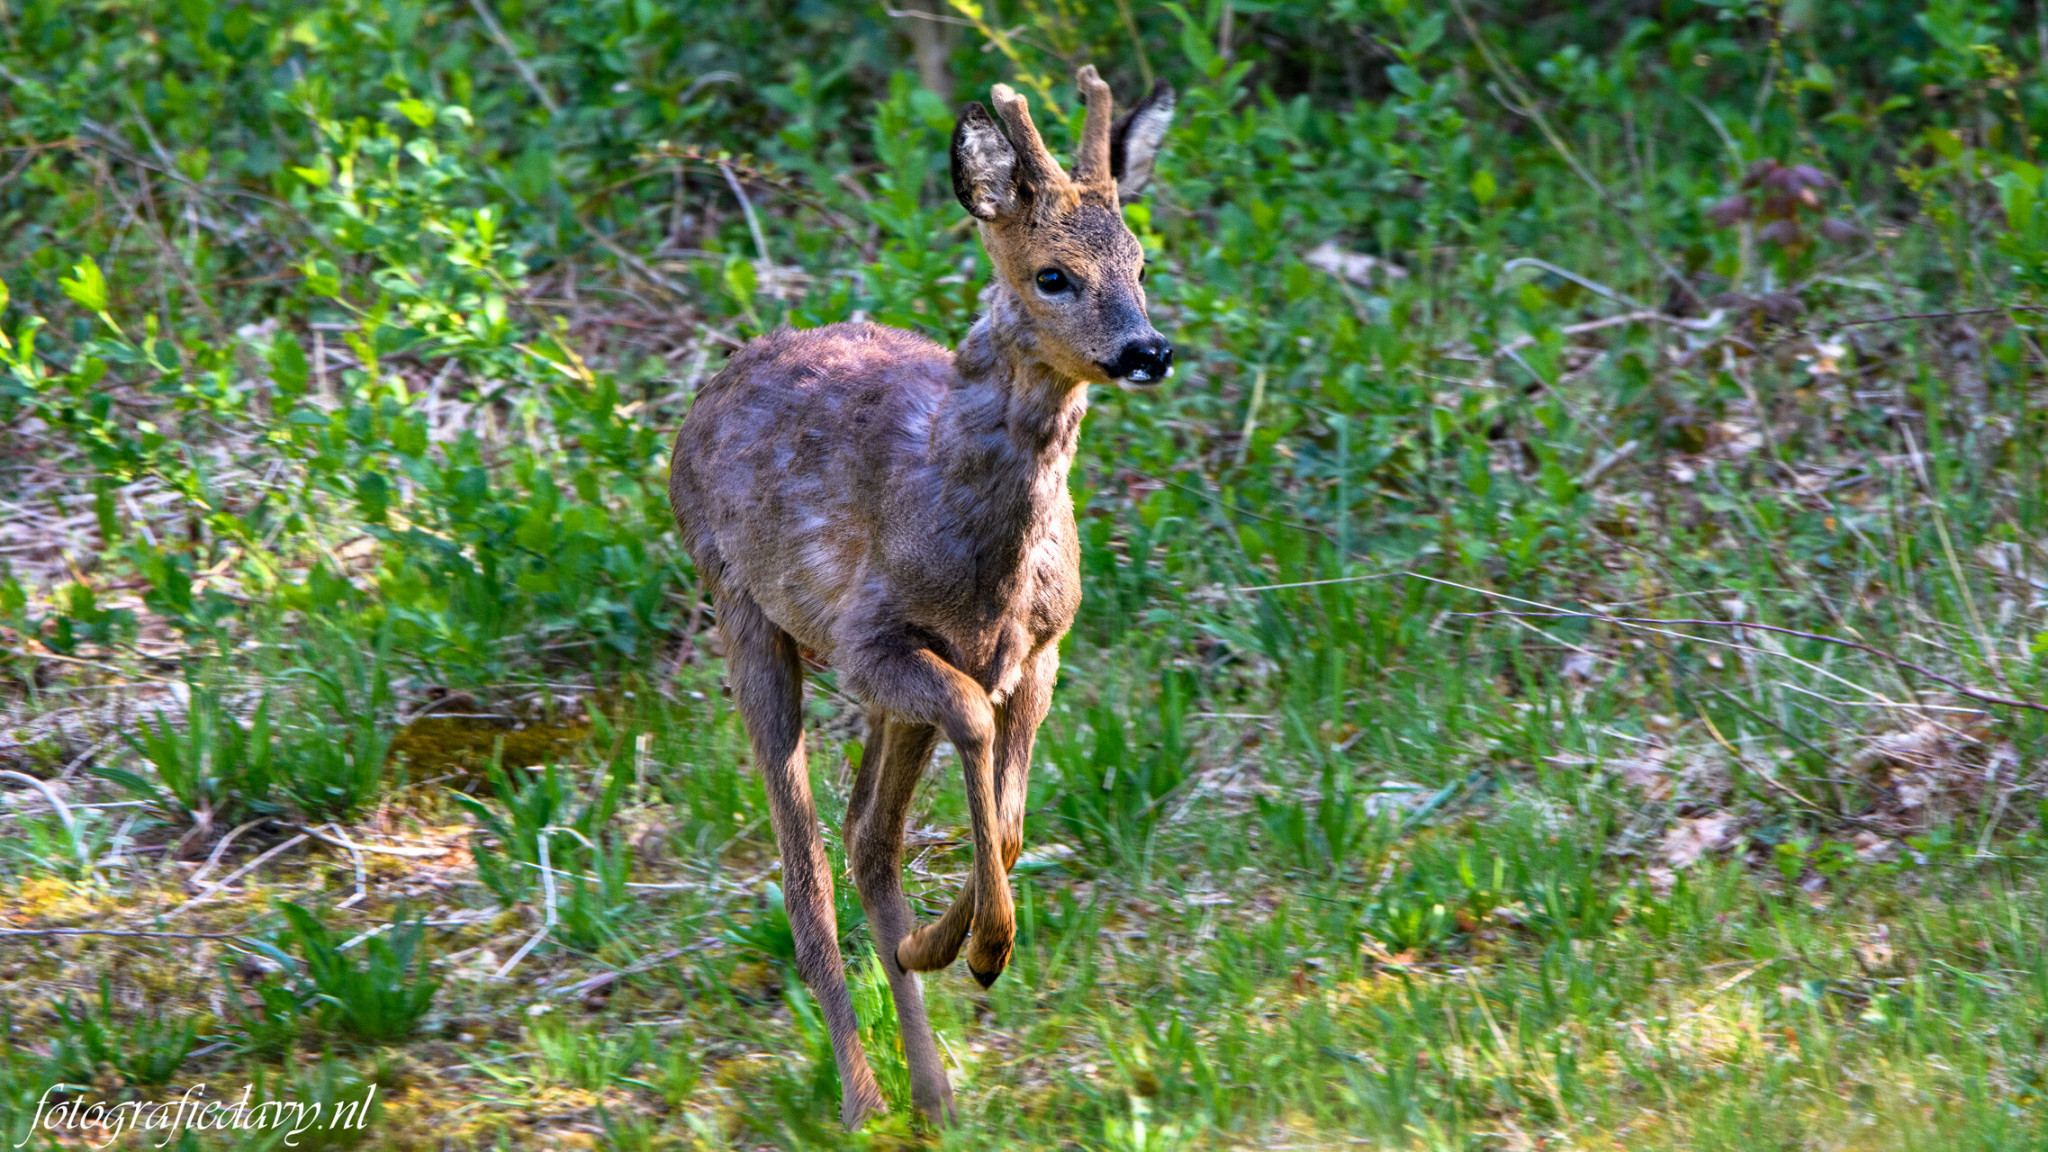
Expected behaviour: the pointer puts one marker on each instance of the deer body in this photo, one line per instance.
(856, 477)
(901, 511)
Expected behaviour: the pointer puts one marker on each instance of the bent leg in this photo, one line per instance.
(895, 672)
(936, 944)
(767, 683)
(890, 766)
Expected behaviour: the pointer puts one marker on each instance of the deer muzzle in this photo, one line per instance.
(1142, 361)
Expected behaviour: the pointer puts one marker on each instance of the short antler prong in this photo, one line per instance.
(1040, 169)
(1091, 165)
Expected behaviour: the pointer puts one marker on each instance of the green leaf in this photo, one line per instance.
(740, 281)
(103, 509)
(138, 787)
(373, 496)
(288, 367)
(319, 175)
(321, 278)
(1483, 186)
(1426, 34)
(87, 287)
(417, 111)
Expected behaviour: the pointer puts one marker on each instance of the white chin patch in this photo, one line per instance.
(1169, 372)
(1139, 376)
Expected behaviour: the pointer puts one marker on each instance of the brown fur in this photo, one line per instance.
(901, 511)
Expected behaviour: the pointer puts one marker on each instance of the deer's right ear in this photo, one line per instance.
(984, 165)
(1135, 138)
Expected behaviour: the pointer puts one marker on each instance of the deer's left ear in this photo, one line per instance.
(984, 165)
(1134, 140)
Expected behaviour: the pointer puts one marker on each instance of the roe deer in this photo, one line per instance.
(901, 512)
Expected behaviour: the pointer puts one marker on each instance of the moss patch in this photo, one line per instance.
(442, 745)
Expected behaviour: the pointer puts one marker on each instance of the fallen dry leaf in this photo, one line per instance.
(1647, 773)
(1358, 267)
(1875, 950)
(1696, 836)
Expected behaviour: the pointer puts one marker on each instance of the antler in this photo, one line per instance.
(1039, 170)
(1091, 164)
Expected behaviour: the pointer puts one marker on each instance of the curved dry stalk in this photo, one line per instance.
(63, 813)
(220, 849)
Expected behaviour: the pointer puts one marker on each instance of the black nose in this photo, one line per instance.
(1142, 360)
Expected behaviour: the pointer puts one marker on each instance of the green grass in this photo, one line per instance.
(1576, 682)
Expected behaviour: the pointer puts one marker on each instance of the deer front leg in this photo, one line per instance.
(907, 679)
(767, 683)
(936, 944)
(890, 766)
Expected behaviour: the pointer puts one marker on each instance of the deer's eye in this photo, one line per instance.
(1052, 281)
(1141, 273)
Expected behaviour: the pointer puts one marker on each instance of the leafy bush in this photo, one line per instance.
(1116, 786)
(339, 1104)
(273, 1024)
(584, 1058)
(90, 1040)
(380, 999)
(541, 804)
(213, 770)
(333, 762)
(767, 931)
(596, 907)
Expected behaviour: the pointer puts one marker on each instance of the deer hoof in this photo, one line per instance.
(987, 961)
(859, 1106)
(937, 1111)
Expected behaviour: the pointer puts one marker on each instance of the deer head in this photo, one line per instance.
(1067, 270)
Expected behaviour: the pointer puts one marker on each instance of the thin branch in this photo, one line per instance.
(1593, 286)
(747, 206)
(237, 874)
(333, 836)
(632, 262)
(1880, 653)
(1318, 583)
(1702, 324)
(355, 856)
(600, 880)
(121, 932)
(1901, 317)
(108, 668)
(1527, 107)
(1931, 316)
(604, 978)
(1753, 770)
(1650, 624)
(497, 31)
(934, 17)
(220, 849)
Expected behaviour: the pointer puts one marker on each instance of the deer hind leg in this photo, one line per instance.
(936, 944)
(911, 682)
(882, 791)
(767, 683)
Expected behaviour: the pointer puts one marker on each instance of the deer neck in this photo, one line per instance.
(1009, 426)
